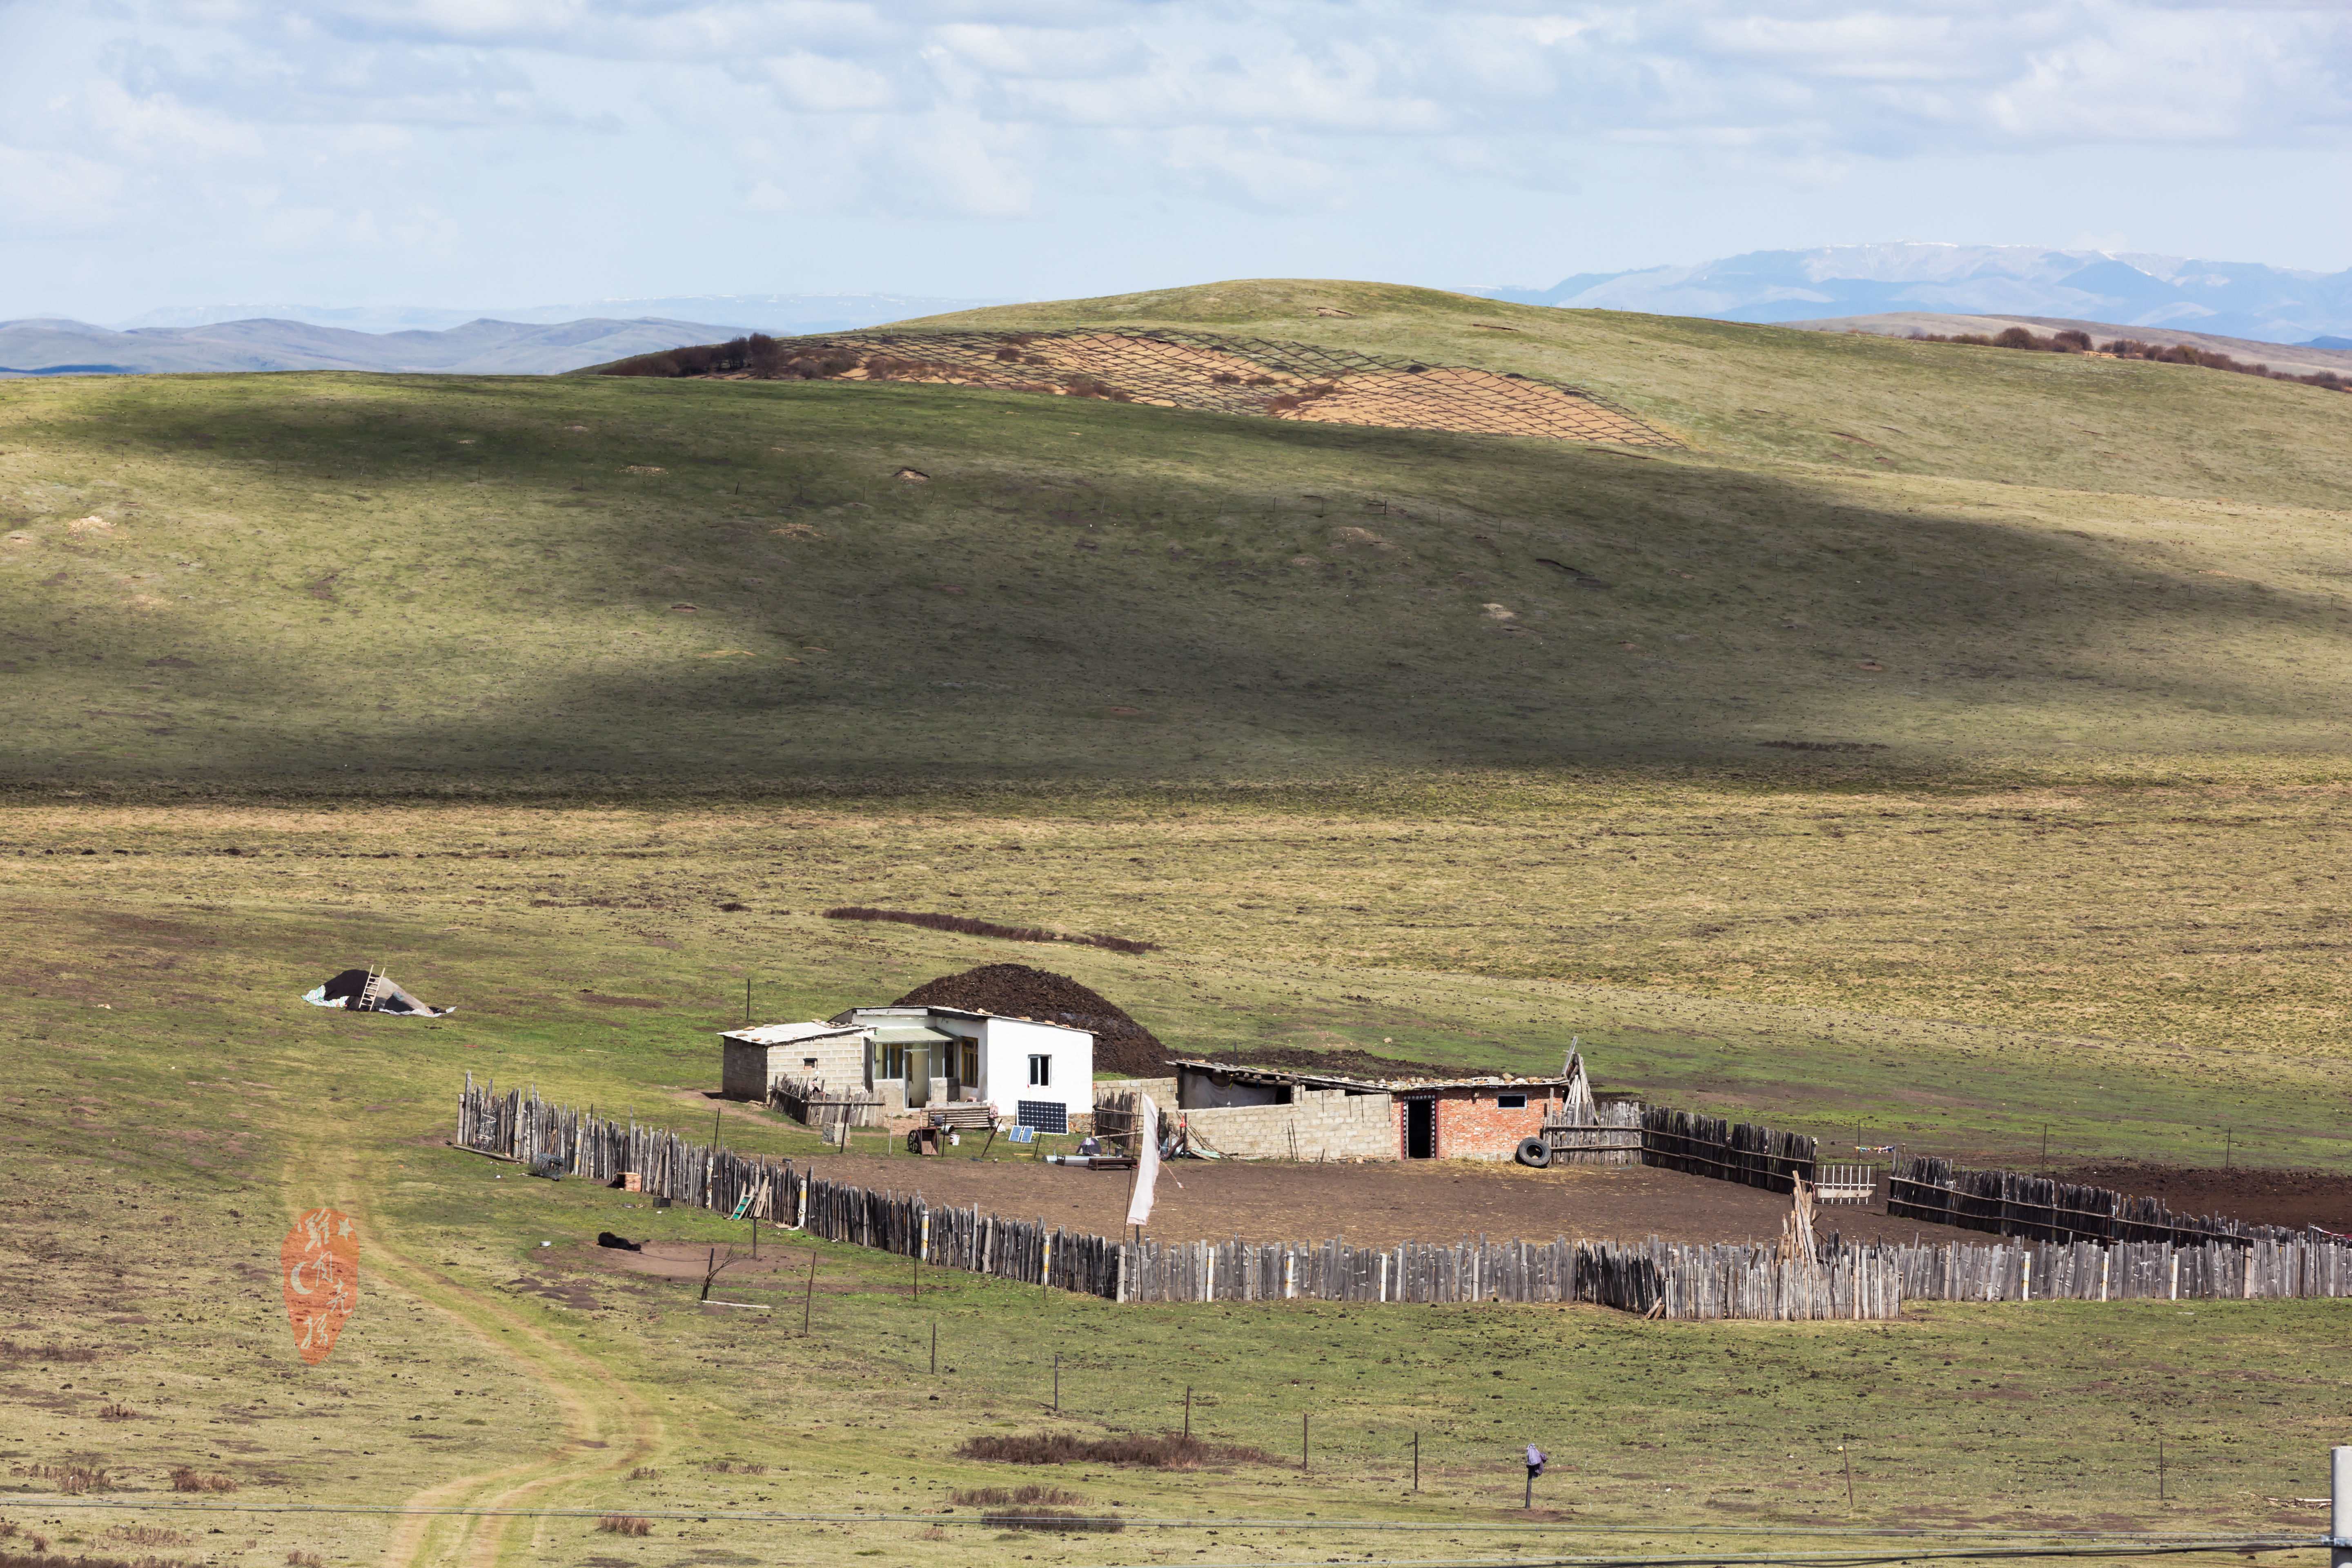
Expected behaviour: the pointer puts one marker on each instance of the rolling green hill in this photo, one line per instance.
(1915, 552)
(1944, 746)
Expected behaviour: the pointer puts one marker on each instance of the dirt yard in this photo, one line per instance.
(2292, 1198)
(1375, 1204)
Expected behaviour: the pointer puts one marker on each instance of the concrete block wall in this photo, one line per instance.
(1162, 1090)
(1330, 1124)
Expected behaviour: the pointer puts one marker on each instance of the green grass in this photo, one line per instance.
(154, 1170)
(1737, 391)
(403, 582)
(408, 646)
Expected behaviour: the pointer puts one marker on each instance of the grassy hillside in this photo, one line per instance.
(1948, 782)
(237, 579)
(1853, 402)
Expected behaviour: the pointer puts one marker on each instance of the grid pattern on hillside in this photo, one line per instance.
(1307, 382)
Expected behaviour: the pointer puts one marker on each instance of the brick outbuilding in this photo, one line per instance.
(1284, 1113)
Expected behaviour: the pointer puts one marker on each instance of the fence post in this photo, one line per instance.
(2339, 1512)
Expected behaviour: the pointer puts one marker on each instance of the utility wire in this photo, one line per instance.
(2153, 1540)
(1807, 1560)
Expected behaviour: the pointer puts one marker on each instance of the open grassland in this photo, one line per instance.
(400, 582)
(2141, 968)
(1737, 391)
(574, 701)
(160, 1147)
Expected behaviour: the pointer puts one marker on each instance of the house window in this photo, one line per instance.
(1041, 1073)
(894, 1061)
(1511, 1101)
(808, 1061)
(970, 1077)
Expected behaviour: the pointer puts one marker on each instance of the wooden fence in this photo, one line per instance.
(1118, 1121)
(1608, 1132)
(1655, 1279)
(2009, 1202)
(1025, 1251)
(809, 1103)
(1845, 1183)
(2126, 1270)
(529, 1129)
(1728, 1150)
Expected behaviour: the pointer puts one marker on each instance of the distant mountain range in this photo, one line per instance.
(477, 348)
(2241, 300)
(2234, 298)
(781, 314)
(541, 340)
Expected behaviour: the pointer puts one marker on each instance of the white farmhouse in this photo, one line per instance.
(1036, 1075)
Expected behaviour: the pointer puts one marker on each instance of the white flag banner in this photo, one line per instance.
(1147, 1170)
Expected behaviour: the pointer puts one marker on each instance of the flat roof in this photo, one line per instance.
(905, 1034)
(786, 1034)
(1242, 1072)
(916, 1011)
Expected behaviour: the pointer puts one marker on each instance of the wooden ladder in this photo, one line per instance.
(372, 990)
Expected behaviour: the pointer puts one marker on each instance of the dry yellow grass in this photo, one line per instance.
(2174, 950)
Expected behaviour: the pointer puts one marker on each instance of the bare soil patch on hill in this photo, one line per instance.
(1304, 382)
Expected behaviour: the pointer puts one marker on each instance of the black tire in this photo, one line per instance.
(1535, 1151)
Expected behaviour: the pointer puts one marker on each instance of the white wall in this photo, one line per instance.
(1007, 1043)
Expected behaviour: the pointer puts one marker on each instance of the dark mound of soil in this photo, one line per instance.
(1121, 1044)
(1125, 1047)
(2258, 1197)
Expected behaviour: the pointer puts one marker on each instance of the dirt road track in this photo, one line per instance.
(607, 1428)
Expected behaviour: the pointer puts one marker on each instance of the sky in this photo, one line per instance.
(480, 153)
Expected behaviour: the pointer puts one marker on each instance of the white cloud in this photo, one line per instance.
(1812, 77)
(559, 129)
(1249, 171)
(62, 191)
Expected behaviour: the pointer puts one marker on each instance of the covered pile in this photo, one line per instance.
(1125, 1047)
(1016, 990)
(370, 991)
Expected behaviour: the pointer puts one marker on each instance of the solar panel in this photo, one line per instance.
(1043, 1115)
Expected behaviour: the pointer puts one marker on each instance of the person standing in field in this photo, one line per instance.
(1536, 1459)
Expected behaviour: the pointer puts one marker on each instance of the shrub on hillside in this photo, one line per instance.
(2072, 342)
(1027, 1497)
(1170, 1451)
(1052, 1519)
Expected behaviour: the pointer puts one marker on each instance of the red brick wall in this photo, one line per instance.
(1471, 1126)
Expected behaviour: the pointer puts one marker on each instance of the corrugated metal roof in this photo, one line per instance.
(785, 1034)
(1245, 1073)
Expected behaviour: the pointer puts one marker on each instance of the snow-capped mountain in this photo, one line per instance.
(2238, 299)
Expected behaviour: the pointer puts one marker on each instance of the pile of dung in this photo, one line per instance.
(1016, 990)
(1125, 1047)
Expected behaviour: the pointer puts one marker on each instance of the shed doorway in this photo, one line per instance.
(1420, 1130)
